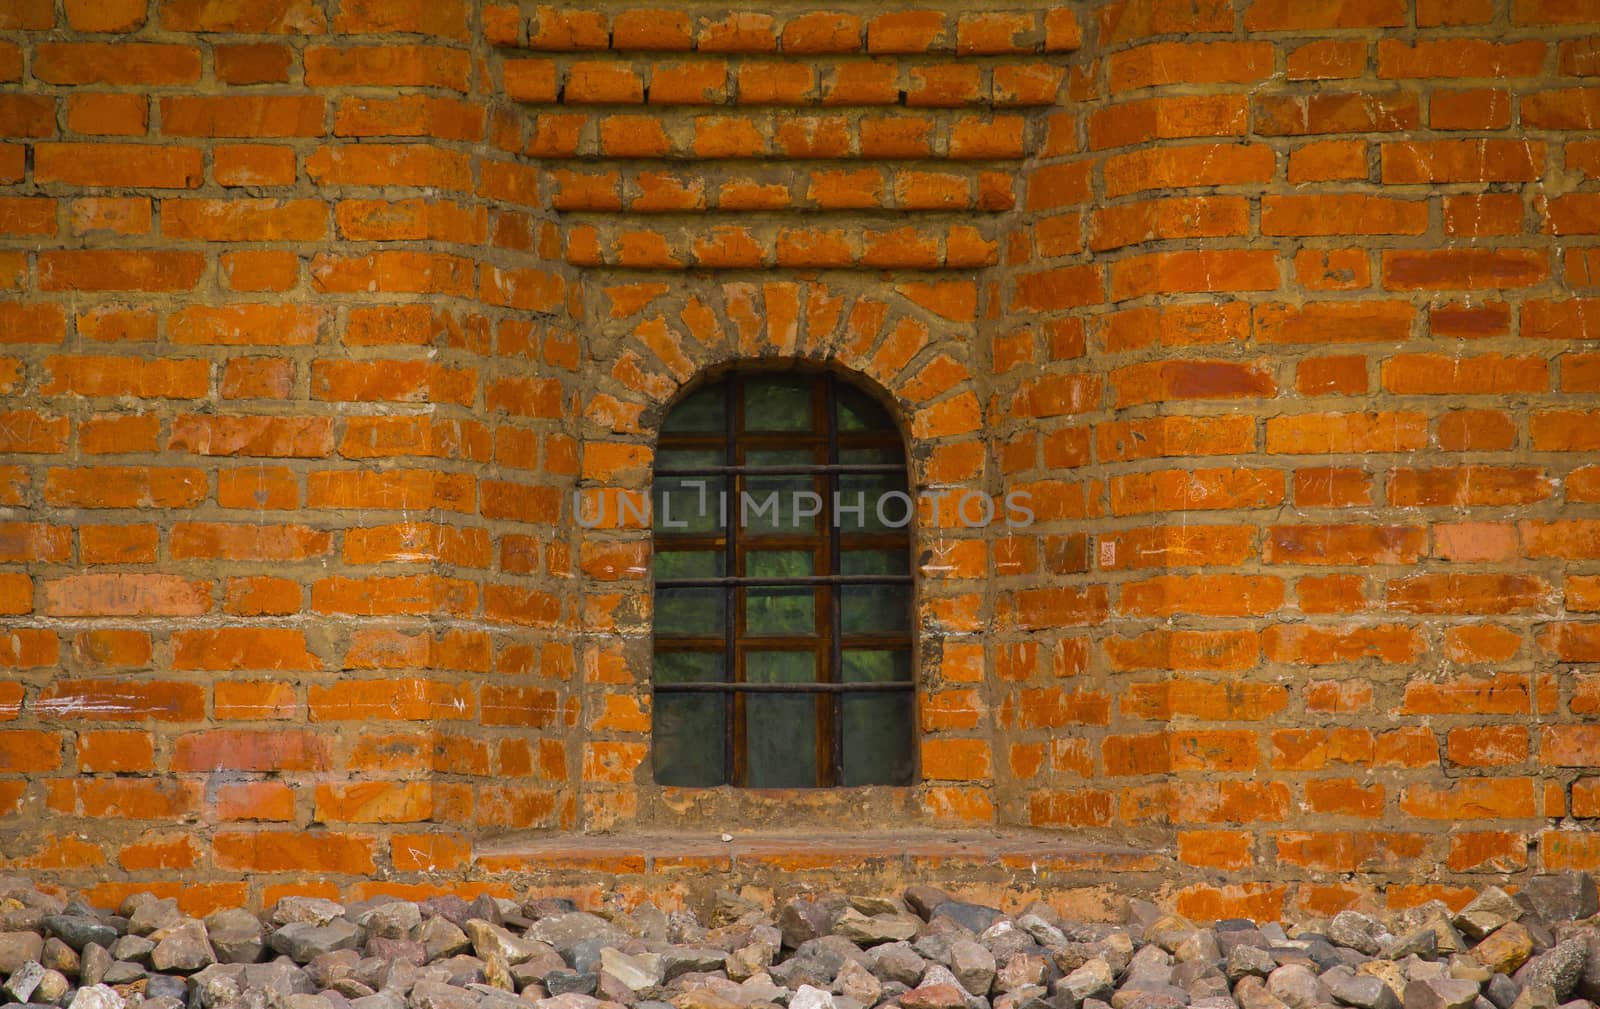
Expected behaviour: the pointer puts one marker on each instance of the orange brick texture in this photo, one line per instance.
(316, 312)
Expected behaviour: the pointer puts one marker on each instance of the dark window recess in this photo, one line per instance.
(783, 642)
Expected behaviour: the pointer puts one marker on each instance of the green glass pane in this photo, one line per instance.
(691, 612)
(875, 562)
(874, 502)
(688, 563)
(788, 609)
(777, 404)
(687, 740)
(858, 456)
(875, 609)
(687, 505)
(781, 740)
(860, 412)
(877, 738)
(779, 564)
(781, 506)
(690, 667)
(873, 665)
(698, 413)
(781, 457)
(780, 667)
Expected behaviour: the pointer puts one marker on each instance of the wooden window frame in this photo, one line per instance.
(826, 545)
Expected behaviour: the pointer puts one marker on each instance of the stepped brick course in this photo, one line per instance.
(314, 314)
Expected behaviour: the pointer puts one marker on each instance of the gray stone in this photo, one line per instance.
(802, 919)
(876, 930)
(1252, 993)
(973, 966)
(973, 917)
(1535, 997)
(1486, 912)
(1589, 981)
(1558, 969)
(636, 972)
(1502, 991)
(1357, 931)
(1440, 993)
(17, 948)
(94, 962)
(442, 938)
(235, 935)
(1360, 990)
(1021, 970)
(1043, 932)
(78, 931)
(380, 1000)
(1249, 961)
(1091, 981)
(562, 982)
(564, 931)
(1297, 987)
(154, 914)
(1422, 941)
(165, 986)
(123, 972)
(679, 960)
(132, 947)
(54, 986)
(433, 995)
(182, 948)
(854, 981)
(923, 899)
(488, 938)
(1560, 896)
(897, 961)
(302, 941)
(96, 996)
(305, 910)
(1031, 996)
(393, 920)
(807, 997)
(24, 980)
(1200, 944)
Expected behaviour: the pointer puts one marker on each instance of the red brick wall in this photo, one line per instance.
(317, 311)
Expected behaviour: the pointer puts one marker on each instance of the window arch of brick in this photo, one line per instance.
(784, 595)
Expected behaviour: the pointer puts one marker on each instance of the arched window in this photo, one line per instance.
(783, 590)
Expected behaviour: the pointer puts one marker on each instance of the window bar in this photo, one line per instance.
(758, 581)
(784, 688)
(835, 614)
(730, 566)
(796, 469)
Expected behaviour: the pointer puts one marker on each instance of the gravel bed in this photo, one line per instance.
(918, 950)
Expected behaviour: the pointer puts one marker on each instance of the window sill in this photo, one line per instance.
(913, 852)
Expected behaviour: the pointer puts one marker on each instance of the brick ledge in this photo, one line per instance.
(642, 853)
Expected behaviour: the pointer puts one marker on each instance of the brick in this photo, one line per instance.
(103, 164)
(1461, 161)
(79, 63)
(108, 114)
(268, 16)
(277, 851)
(253, 63)
(242, 116)
(1437, 374)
